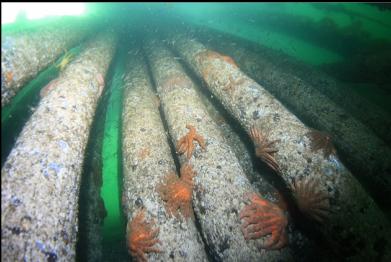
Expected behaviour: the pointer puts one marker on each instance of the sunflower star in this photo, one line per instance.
(177, 192)
(311, 201)
(185, 144)
(264, 149)
(141, 236)
(321, 140)
(261, 218)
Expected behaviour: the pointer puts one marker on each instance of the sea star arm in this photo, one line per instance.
(200, 140)
(182, 145)
(190, 148)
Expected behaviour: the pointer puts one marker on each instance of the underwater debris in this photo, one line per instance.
(321, 140)
(185, 144)
(264, 149)
(142, 236)
(177, 192)
(312, 202)
(262, 218)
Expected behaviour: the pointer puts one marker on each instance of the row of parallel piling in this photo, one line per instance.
(370, 114)
(147, 160)
(302, 247)
(367, 156)
(41, 176)
(352, 213)
(220, 182)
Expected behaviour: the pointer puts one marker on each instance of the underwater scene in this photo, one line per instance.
(196, 132)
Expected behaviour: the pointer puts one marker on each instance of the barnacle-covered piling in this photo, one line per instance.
(301, 246)
(368, 157)
(352, 213)
(25, 54)
(41, 176)
(147, 160)
(258, 61)
(220, 183)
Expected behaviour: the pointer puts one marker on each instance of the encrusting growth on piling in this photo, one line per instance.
(185, 144)
(177, 192)
(142, 236)
(261, 218)
(264, 149)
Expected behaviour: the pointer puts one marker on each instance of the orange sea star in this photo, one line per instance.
(264, 149)
(185, 144)
(141, 236)
(261, 218)
(177, 192)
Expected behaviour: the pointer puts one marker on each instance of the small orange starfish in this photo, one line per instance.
(261, 218)
(177, 192)
(264, 149)
(141, 236)
(185, 144)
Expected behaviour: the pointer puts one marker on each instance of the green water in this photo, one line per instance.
(315, 34)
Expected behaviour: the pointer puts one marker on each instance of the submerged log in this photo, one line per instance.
(220, 183)
(40, 179)
(147, 160)
(367, 156)
(25, 54)
(352, 213)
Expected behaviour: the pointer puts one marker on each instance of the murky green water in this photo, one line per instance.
(348, 42)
